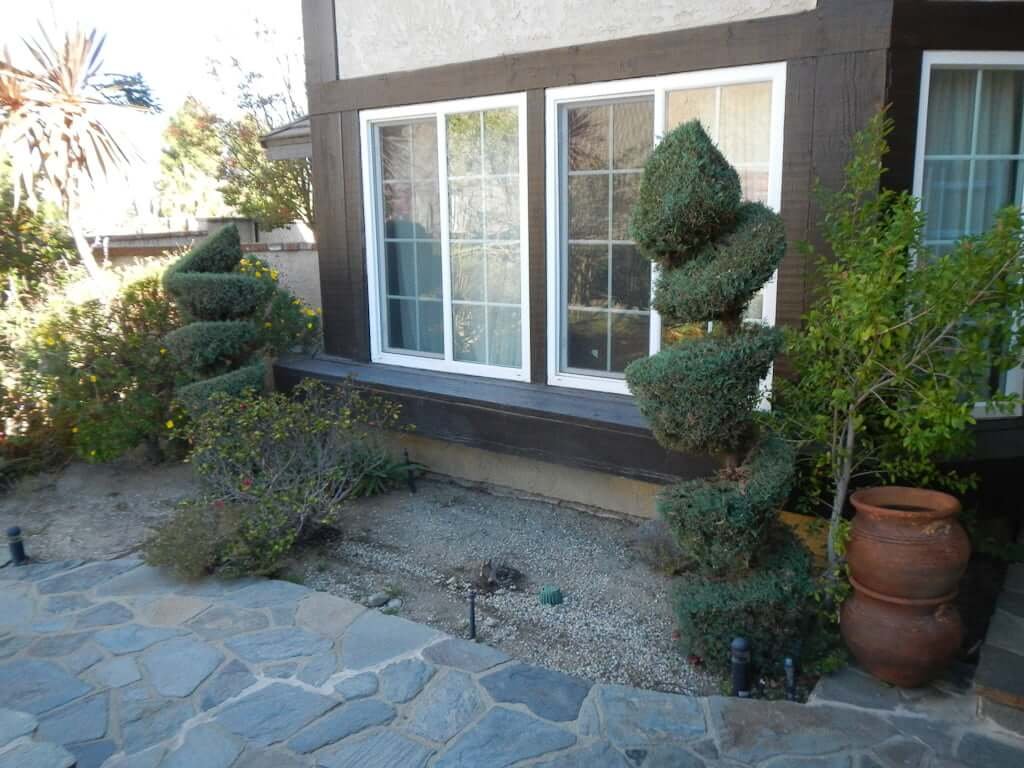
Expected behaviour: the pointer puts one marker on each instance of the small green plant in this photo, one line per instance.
(892, 357)
(284, 465)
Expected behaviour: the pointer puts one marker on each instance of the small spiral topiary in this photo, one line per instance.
(232, 314)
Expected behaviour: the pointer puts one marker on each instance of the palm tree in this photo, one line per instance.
(52, 127)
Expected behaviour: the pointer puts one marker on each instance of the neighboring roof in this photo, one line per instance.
(289, 142)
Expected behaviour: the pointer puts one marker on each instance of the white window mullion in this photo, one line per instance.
(446, 249)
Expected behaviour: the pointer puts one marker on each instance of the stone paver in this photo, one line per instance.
(547, 693)
(118, 665)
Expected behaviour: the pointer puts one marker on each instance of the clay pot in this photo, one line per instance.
(901, 641)
(906, 542)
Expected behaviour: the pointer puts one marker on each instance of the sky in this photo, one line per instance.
(170, 43)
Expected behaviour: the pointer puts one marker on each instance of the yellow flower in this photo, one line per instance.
(74, 429)
(92, 453)
(310, 326)
(268, 325)
(92, 378)
(274, 273)
(297, 302)
(163, 351)
(170, 424)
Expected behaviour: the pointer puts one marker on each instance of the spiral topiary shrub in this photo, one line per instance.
(699, 395)
(237, 315)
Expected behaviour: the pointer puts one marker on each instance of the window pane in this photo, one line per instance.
(503, 273)
(466, 204)
(396, 151)
(470, 332)
(467, 272)
(630, 339)
(1000, 112)
(588, 138)
(588, 207)
(631, 278)
(633, 133)
(588, 275)
(426, 210)
(693, 104)
(625, 190)
(744, 132)
(996, 185)
(944, 198)
(424, 155)
(755, 310)
(501, 141)
(950, 111)
(464, 144)
(402, 324)
(587, 340)
(428, 270)
(502, 208)
(504, 336)
(398, 209)
(431, 327)
(401, 259)
(754, 183)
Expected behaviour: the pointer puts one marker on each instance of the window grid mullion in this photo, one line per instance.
(974, 149)
(446, 255)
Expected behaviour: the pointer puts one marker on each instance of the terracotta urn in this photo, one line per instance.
(901, 641)
(906, 542)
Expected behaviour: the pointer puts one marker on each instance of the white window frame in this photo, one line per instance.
(373, 212)
(966, 60)
(775, 73)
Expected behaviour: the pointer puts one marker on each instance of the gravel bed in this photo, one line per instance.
(615, 624)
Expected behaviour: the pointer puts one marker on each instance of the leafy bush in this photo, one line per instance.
(699, 395)
(689, 195)
(902, 343)
(103, 370)
(721, 523)
(772, 606)
(284, 466)
(239, 315)
(193, 539)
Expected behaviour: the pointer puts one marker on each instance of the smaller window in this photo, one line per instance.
(445, 230)
(970, 155)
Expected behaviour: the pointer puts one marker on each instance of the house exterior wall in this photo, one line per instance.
(375, 38)
(845, 59)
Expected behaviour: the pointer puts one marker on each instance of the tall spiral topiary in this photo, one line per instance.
(714, 252)
(236, 316)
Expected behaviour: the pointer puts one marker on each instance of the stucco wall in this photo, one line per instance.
(393, 35)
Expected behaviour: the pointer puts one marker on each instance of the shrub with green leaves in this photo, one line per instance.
(283, 465)
(688, 196)
(772, 606)
(699, 395)
(104, 371)
(721, 523)
(239, 315)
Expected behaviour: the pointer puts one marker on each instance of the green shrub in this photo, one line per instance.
(220, 252)
(722, 523)
(193, 540)
(104, 371)
(689, 195)
(723, 277)
(699, 395)
(772, 606)
(286, 465)
(205, 346)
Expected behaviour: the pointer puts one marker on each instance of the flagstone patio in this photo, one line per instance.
(117, 664)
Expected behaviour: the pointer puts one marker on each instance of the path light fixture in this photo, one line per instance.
(410, 474)
(740, 649)
(16, 546)
(789, 666)
(472, 615)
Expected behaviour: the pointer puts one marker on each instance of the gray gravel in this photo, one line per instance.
(615, 625)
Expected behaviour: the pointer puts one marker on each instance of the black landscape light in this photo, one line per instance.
(472, 615)
(16, 545)
(740, 649)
